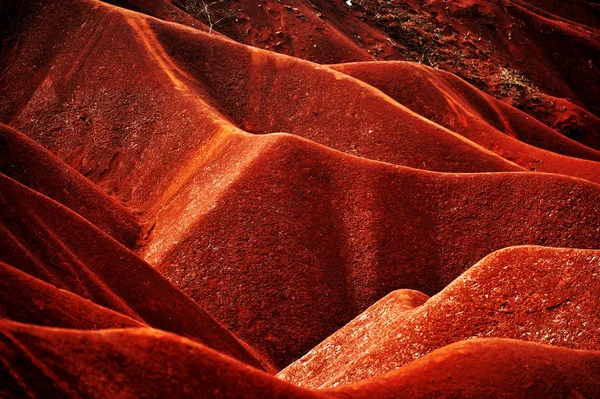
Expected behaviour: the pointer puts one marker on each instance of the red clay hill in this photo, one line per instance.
(541, 56)
(305, 198)
(511, 293)
(151, 363)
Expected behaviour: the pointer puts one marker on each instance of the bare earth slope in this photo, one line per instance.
(542, 58)
(284, 265)
(453, 103)
(230, 85)
(183, 212)
(48, 305)
(512, 293)
(33, 166)
(118, 362)
(48, 241)
(198, 98)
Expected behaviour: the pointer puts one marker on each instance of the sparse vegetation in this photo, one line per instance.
(510, 79)
(516, 86)
(210, 13)
(420, 36)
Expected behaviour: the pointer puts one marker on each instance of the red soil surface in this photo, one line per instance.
(284, 277)
(30, 164)
(47, 305)
(552, 46)
(579, 11)
(231, 85)
(489, 368)
(151, 363)
(453, 103)
(48, 241)
(250, 204)
(512, 293)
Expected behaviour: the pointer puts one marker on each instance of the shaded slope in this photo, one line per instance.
(198, 185)
(513, 50)
(455, 104)
(579, 11)
(509, 49)
(554, 54)
(50, 242)
(489, 368)
(284, 240)
(26, 299)
(129, 363)
(263, 92)
(175, 138)
(121, 363)
(458, 106)
(569, 119)
(307, 238)
(537, 294)
(30, 164)
(86, 105)
(163, 9)
(193, 82)
(292, 27)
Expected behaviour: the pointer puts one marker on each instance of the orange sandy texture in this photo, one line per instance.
(266, 211)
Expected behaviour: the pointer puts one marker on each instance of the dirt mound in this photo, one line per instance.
(262, 93)
(513, 293)
(306, 238)
(580, 11)
(493, 368)
(185, 92)
(447, 100)
(457, 105)
(158, 176)
(124, 363)
(526, 53)
(50, 242)
(47, 305)
(35, 167)
(150, 363)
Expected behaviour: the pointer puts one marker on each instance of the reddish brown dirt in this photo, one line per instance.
(150, 363)
(48, 305)
(350, 116)
(519, 51)
(454, 104)
(129, 363)
(281, 198)
(33, 166)
(512, 293)
(284, 265)
(575, 10)
(48, 241)
(232, 84)
(493, 368)
(237, 239)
